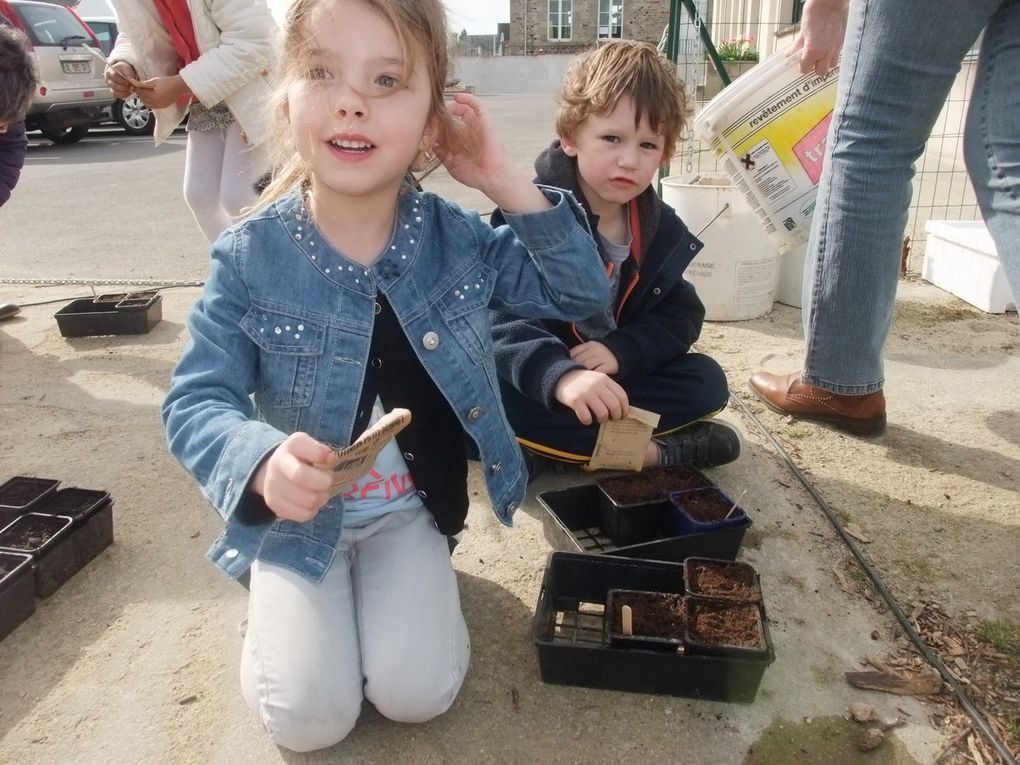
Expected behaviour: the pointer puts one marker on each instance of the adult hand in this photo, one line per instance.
(118, 76)
(164, 92)
(595, 356)
(820, 39)
(288, 481)
(593, 396)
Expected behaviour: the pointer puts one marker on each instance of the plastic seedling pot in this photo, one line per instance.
(655, 622)
(697, 510)
(88, 317)
(18, 495)
(633, 506)
(720, 627)
(570, 520)
(17, 591)
(726, 579)
(574, 647)
(47, 538)
(91, 512)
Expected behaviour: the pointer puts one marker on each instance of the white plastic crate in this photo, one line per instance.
(960, 258)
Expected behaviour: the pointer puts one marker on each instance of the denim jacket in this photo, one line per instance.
(279, 343)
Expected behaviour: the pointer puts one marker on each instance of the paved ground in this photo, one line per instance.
(135, 659)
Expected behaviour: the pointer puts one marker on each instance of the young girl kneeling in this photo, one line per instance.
(346, 294)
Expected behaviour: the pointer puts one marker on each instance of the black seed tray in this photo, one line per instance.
(17, 591)
(51, 548)
(91, 513)
(18, 495)
(89, 317)
(571, 523)
(573, 649)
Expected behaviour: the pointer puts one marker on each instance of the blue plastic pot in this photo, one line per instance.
(682, 522)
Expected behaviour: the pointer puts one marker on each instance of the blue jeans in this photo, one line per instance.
(899, 62)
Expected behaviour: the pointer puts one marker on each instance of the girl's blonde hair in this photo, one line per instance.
(418, 23)
(601, 76)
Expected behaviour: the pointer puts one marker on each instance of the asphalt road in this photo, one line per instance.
(111, 206)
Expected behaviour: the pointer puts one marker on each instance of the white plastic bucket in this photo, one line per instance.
(735, 273)
(769, 130)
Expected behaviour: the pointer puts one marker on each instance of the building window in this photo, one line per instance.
(798, 10)
(610, 19)
(560, 15)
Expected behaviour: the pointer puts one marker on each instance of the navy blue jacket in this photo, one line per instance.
(13, 148)
(658, 313)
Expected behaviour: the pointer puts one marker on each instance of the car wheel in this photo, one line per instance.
(135, 117)
(71, 134)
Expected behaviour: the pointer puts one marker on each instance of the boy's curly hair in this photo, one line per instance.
(601, 76)
(17, 74)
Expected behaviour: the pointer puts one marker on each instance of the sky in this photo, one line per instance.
(479, 17)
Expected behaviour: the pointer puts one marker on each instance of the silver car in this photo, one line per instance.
(72, 91)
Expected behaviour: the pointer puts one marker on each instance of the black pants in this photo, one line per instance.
(681, 392)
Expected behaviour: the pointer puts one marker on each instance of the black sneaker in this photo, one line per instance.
(706, 443)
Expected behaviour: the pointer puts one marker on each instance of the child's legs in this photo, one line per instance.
(203, 167)
(243, 165)
(414, 642)
(300, 666)
(686, 389)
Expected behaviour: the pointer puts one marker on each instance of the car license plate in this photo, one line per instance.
(76, 67)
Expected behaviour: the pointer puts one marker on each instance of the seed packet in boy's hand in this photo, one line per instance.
(355, 460)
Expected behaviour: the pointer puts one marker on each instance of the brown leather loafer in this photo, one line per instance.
(787, 394)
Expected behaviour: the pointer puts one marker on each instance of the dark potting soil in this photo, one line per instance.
(31, 532)
(731, 580)
(20, 491)
(707, 506)
(653, 614)
(71, 501)
(735, 624)
(8, 563)
(652, 484)
(113, 297)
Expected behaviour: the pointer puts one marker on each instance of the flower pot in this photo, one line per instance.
(718, 627)
(19, 494)
(633, 507)
(17, 591)
(724, 579)
(574, 643)
(657, 619)
(47, 538)
(699, 510)
(571, 523)
(91, 513)
(131, 314)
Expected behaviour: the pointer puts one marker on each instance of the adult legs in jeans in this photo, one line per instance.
(384, 624)
(899, 62)
(220, 171)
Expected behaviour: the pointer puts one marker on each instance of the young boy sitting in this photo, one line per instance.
(17, 81)
(622, 111)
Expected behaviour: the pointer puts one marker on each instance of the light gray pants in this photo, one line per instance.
(384, 624)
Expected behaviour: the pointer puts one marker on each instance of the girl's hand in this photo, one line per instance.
(292, 488)
(820, 39)
(165, 91)
(595, 356)
(118, 76)
(474, 155)
(592, 395)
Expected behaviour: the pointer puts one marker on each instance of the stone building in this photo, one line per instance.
(567, 26)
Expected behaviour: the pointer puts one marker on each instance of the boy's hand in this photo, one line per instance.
(292, 488)
(118, 76)
(165, 91)
(593, 396)
(474, 155)
(595, 356)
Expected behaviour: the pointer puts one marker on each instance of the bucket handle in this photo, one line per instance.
(725, 207)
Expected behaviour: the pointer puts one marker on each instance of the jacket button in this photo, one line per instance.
(408, 457)
(423, 494)
(511, 508)
(430, 341)
(693, 246)
(475, 413)
(377, 307)
(496, 468)
(656, 291)
(231, 553)
(376, 363)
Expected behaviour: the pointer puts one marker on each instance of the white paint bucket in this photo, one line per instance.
(790, 284)
(735, 273)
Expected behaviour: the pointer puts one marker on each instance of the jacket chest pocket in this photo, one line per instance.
(463, 304)
(289, 351)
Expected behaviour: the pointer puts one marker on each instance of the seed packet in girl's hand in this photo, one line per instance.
(355, 460)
